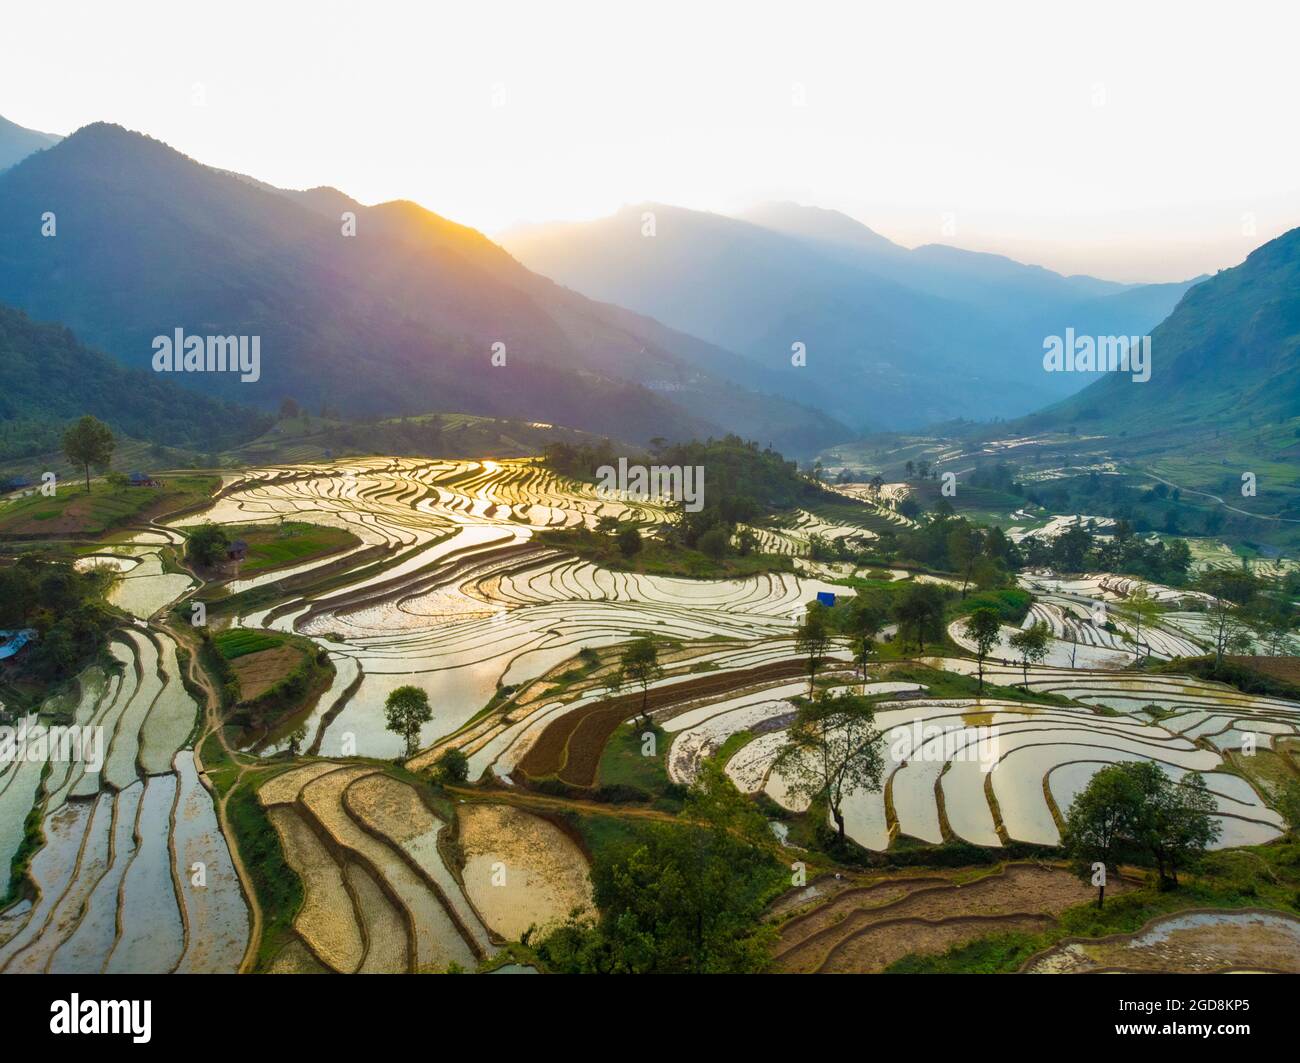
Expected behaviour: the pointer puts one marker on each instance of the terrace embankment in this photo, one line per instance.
(862, 929)
(570, 747)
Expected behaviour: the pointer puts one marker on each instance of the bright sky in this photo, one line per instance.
(1137, 141)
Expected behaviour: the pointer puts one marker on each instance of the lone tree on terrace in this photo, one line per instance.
(640, 664)
(1031, 644)
(834, 750)
(407, 709)
(866, 621)
(1101, 816)
(813, 640)
(88, 442)
(982, 627)
(1139, 608)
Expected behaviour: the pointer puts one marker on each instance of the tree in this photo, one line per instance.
(1174, 821)
(1229, 591)
(834, 751)
(1139, 608)
(965, 546)
(453, 766)
(88, 442)
(206, 545)
(683, 897)
(715, 542)
(640, 664)
(1031, 644)
(983, 628)
(629, 542)
(1101, 817)
(407, 709)
(866, 620)
(296, 738)
(812, 640)
(919, 612)
(289, 409)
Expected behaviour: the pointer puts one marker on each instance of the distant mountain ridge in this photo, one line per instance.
(411, 307)
(895, 338)
(17, 142)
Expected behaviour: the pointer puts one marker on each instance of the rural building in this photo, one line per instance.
(11, 642)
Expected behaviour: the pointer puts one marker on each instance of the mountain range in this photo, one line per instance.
(894, 338)
(685, 333)
(148, 241)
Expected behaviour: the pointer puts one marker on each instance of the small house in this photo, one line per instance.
(237, 551)
(11, 642)
(826, 598)
(143, 479)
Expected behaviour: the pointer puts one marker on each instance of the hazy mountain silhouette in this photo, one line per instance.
(401, 318)
(895, 337)
(17, 142)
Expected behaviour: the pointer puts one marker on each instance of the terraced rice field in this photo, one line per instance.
(134, 874)
(449, 591)
(989, 772)
(521, 871)
(379, 896)
(461, 599)
(862, 926)
(1196, 942)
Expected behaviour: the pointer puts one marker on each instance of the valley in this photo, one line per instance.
(320, 845)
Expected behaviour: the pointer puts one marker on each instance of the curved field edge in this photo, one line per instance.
(1231, 880)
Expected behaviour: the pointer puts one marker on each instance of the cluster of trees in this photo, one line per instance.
(1080, 549)
(742, 484)
(1156, 508)
(206, 546)
(1249, 612)
(66, 609)
(984, 627)
(984, 557)
(1133, 811)
(679, 898)
(402, 436)
(918, 609)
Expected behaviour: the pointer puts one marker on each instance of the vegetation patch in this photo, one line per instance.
(109, 504)
(268, 679)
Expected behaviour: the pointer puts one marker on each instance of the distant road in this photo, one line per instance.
(1235, 509)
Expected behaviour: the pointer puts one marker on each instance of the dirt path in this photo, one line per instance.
(1216, 498)
(212, 725)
